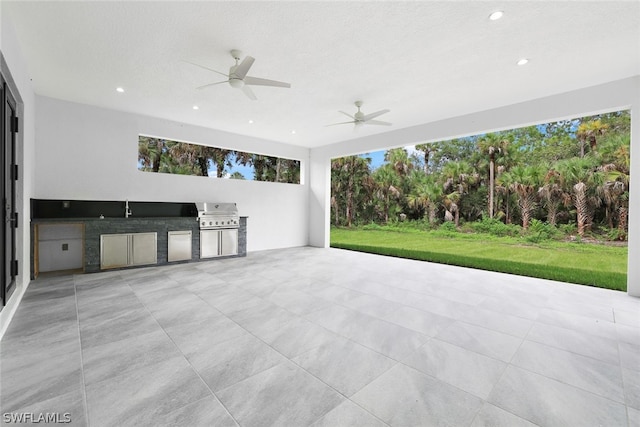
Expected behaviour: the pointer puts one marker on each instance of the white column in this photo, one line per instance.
(633, 271)
(319, 199)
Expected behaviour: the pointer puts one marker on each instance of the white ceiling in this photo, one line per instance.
(424, 60)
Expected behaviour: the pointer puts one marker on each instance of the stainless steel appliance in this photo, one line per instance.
(219, 223)
(179, 245)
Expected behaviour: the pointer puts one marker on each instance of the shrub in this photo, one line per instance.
(539, 231)
(496, 227)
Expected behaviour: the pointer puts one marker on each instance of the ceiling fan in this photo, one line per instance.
(237, 77)
(360, 118)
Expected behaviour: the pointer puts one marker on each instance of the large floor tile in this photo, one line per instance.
(116, 358)
(427, 323)
(296, 336)
(31, 378)
(576, 322)
(108, 329)
(500, 322)
(481, 340)
(145, 396)
(602, 349)
(465, 369)
(631, 381)
(231, 361)
(384, 337)
(549, 402)
(405, 397)
(571, 368)
(205, 412)
(348, 414)
(68, 409)
(344, 365)
(198, 336)
(284, 395)
(492, 416)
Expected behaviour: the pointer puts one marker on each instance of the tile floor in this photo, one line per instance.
(322, 337)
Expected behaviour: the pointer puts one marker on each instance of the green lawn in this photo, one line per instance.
(583, 263)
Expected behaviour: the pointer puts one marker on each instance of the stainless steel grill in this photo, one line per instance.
(212, 216)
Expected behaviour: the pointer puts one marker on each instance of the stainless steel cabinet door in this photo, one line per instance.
(114, 250)
(179, 246)
(143, 249)
(229, 242)
(209, 243)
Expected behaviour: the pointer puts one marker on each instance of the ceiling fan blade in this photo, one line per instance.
(244, 66)
(374, 115)
(212, 84)
(347, 114)
(377, 122)
(247, 91)
(255, 81)
(341, 123)
(206, 68)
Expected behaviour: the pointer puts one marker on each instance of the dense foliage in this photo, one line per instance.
(571, 176)
(165, 156)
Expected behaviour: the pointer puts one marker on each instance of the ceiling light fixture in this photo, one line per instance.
(496, 15)
(522, 61)
(195, 107)
(250, 122)
(293, 132)
(119, 89)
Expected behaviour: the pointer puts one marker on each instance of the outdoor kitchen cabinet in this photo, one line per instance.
(128, 249)
(215, 243)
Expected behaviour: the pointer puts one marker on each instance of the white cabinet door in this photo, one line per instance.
(114, 250)
(143, 249)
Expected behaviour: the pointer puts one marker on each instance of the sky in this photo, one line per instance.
(377, 157)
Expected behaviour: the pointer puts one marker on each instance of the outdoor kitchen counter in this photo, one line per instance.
(94, 227)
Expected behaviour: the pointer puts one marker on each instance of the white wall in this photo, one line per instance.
(14, 69)
(614, 96)
(91, 153)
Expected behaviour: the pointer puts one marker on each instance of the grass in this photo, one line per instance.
(581, 263)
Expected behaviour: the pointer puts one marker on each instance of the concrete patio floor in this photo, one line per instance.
(321, 337)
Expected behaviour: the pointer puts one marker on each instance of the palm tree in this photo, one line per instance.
(588, 131)
(492, 144)
(552, 195)
(581, 179)
(388, 183)
(150, 151)
(425, 194)
(458, 176)
(427, 149)
(526, 180)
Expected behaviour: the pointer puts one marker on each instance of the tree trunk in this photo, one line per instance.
(278, 167)
(432, 213)
(552, 213)
(507, 213)
(582, 208)
(492, 166)
(526, 206)
(622, 223)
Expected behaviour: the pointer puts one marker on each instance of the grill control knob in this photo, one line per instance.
(204, 223)
(216, 222)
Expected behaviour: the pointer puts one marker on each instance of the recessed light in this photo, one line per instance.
(496, 15)
(250, 121)
(293, 132)
(195, 107)
(119, 89)
(522, 61)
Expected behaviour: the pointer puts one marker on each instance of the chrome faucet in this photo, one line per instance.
(127, 211)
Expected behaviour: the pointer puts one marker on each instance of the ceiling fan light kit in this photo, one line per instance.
(359, 118)
(238, 78)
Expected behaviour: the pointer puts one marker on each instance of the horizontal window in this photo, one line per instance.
(165, 156)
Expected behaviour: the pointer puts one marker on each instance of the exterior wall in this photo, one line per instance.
(90, 153)
(613, 96)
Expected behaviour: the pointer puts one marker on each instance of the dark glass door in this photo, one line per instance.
(9, 176)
